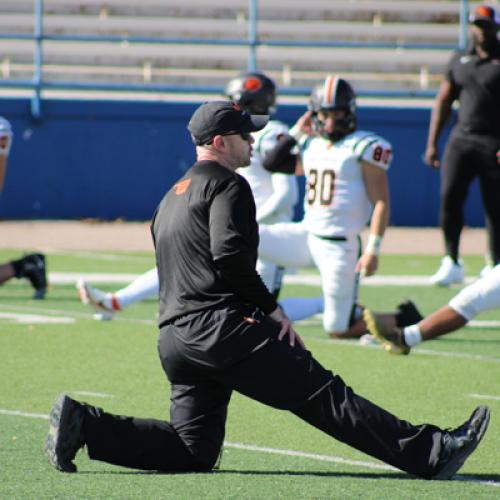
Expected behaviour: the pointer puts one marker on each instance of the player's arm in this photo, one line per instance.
(284, 157)
(441, 112)
(285, 196)
(377, 187)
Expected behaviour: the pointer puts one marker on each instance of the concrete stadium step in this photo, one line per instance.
(234, 29)
(218, 78)
(229, 57)
(359, 10)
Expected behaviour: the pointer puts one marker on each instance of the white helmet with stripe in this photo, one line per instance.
(334, 93)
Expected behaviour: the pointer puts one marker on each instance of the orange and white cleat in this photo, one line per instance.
(104, 303)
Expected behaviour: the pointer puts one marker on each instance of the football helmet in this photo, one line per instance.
(334, 93)
(254, 92)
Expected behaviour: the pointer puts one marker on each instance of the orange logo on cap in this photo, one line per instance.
(482, 10)
(181, 187)
(253, 84)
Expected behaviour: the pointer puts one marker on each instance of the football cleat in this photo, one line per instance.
(65, 436)
(32, 267)
(104, 303)
(449, 272)
(459, 443)
(392, 339)
(485, 271)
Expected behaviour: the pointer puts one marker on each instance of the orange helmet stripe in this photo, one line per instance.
(330, 91)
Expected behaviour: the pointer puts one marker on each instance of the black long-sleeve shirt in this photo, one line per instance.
(206, 240)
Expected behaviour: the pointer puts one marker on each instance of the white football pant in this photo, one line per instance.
(482, 295)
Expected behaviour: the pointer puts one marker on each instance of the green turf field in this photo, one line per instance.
(268, 454)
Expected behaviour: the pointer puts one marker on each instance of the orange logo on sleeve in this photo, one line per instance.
(181, 187)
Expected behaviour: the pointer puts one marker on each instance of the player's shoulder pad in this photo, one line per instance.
(372, 148)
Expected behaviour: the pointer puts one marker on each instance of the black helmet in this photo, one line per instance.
(254, 92)
(334, 93)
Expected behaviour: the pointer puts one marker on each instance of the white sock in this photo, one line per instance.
(412, 335)
(145, 286)
(297, 308)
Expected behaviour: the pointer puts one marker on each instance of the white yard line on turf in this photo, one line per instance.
(478, 323)
(67, 278)
(313, 456)
(278, 451)
(377, 280)
(94, 394)
(34, 318)
(76, 314)
(350, 343)
(106, 256)
(291, 279)
(485, 396)
(19, 413)
(415, 350)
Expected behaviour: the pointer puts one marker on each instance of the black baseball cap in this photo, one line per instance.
(222, 118)
(484, 13)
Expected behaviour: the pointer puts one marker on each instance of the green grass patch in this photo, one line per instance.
(118, 359)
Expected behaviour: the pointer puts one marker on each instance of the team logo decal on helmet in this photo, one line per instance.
(254, 92)
(334, 94)
(252, 84)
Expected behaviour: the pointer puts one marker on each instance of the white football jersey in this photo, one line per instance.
(5, 136)
(336, 201)
(275, 194)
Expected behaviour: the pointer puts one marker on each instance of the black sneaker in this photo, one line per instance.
(65, 436)
(459, 443)
(33, 268)
(407, 314)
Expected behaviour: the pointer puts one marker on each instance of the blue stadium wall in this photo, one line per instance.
(115, 159)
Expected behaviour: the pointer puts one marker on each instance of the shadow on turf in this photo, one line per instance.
(358, 475)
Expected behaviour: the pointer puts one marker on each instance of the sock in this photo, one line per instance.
(18, 267)
(412, 335)
(297, 308)
(145, 286)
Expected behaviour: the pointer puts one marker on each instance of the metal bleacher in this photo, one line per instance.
(386, 47)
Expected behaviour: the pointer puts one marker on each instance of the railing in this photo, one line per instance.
(37, 84)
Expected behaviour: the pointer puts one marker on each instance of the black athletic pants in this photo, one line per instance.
(468, 156)
(208, 355)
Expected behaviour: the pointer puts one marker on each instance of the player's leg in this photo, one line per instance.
(285, 244)
(192, 441)
(299, 308)
(482, 295)
(32, 267)
(272, 275)
(456, 177)
(141, 443)
(6, 272)
(489, 178)
(289, 378)
(336, 261)
(143, 287)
